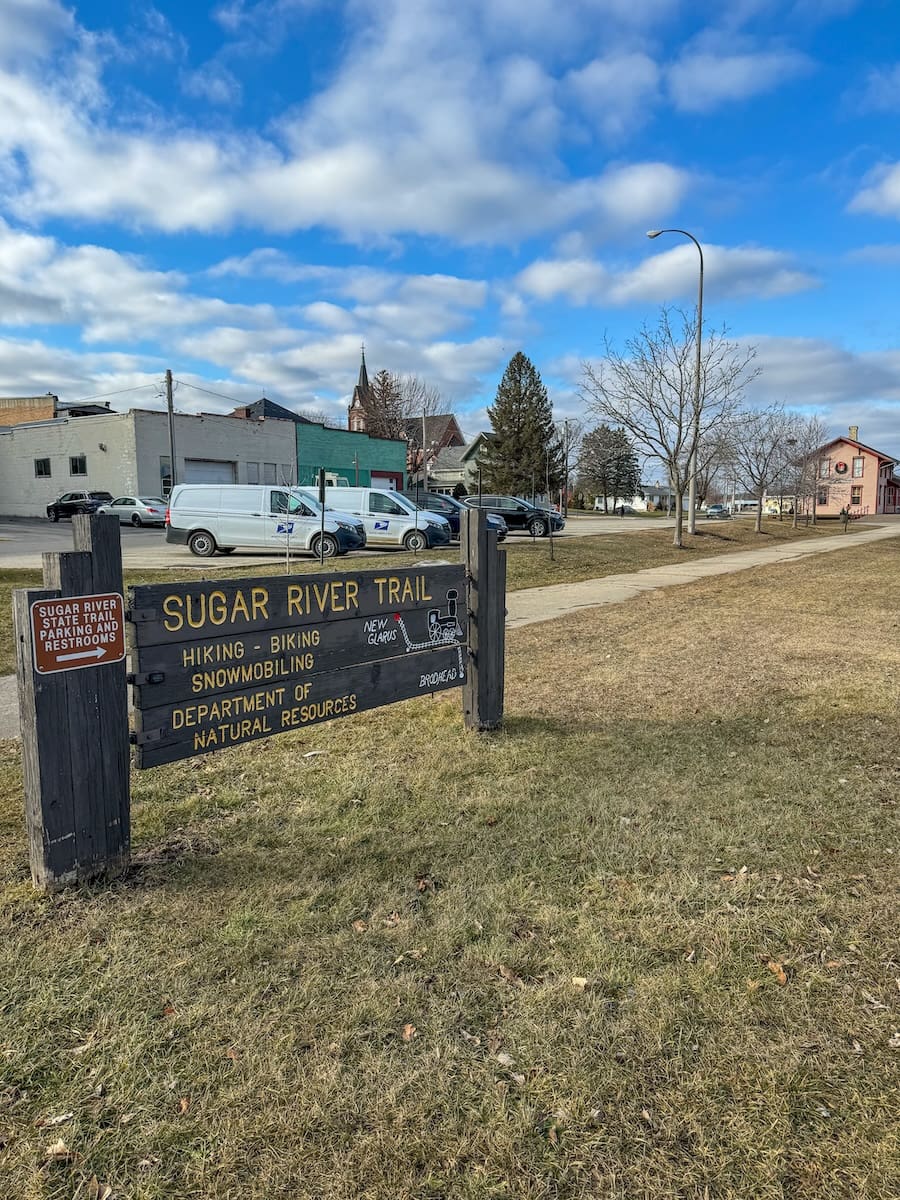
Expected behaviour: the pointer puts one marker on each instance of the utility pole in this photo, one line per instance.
(173, 479)
(356, 465)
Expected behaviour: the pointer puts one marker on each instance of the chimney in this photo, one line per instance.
(854, 433)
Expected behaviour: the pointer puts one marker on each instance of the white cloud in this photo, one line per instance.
(616, 93)
(880, 193)
(884, 254)
(880, 92)
(32, 28)
(213, 82)
(728, 271)
(701, 80)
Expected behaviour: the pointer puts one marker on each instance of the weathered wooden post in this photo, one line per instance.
(73, 707)
(486, 570)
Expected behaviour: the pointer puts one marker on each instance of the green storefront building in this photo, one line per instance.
(349, 458)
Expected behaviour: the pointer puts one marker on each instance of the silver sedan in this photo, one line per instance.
(137, 510)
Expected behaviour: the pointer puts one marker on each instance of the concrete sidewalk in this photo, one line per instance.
(532, 605)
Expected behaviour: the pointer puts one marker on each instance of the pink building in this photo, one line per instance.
(857, 477)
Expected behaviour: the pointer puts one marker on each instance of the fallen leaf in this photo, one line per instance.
(97, 1190)
(511, 977)
(691, 955)
(552, 1136)
(183, 1105)
(778, 971)
(52, 1122)
(360, 925)
(504, 1059)
(752, 985)
(894, 1040)
(232, 1054)
(392, 919)
(424, 883)
(579, 983)
(313, 753)
(168, 1010)
(126, 1118)
(519, 1079)
(58, 1152)
(409, 1032)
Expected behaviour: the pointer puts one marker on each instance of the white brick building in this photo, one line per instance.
(128, 454)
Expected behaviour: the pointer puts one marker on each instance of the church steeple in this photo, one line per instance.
(356, 414)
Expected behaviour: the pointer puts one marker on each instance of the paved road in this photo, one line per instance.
(22, 542)
(532, 605)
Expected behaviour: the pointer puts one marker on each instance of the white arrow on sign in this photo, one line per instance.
(98, 653)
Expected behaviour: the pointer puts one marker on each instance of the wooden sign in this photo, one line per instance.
(73, 632)
(175, 731)
(180, 612)
(217, 664)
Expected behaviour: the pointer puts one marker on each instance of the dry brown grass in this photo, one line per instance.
(691, 811)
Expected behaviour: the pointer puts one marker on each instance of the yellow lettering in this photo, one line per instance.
(336, 589)
(394, 591)
(407, 593)
(172, 609)
(379, 583)
(217, 608)
(196, 611)
(260, 598)
(351, 593)
(293, 600)
(239, 605)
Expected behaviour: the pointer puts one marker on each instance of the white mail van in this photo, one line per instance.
(211, 518)
(389, 518)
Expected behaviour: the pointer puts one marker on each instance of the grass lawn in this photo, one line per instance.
(528, 563)
(641, 944)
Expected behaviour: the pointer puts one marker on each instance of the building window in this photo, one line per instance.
(858, 467)
(77, 464)
(42, 468)
(856, 495)
(824, 468)
(165, 474)
(822, 497)
(252, 472)
(269, 475)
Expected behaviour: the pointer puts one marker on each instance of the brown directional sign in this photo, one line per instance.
(77, 631)
(219, 663)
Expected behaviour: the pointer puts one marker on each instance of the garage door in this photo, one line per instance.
(389, 482)
(207, 470)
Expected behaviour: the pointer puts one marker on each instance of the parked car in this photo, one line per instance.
(71, 503)
(392, 520)
(137, 510)
(209, 517)
(519, 514)
(717, 512)
(450, 507)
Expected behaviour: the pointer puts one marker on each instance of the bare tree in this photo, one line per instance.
(758, 440)
(806, 440)
(417, 399)
(649, 391)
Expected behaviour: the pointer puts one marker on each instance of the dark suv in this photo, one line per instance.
(519, 514)
(450, 508)
(71, 503)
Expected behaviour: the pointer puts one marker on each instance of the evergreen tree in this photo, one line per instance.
(515, 457)
(384, 407)
(609, 466)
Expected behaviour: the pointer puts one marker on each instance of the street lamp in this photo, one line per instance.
(692, 491)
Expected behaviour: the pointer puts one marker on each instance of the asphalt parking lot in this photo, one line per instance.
(23, 541)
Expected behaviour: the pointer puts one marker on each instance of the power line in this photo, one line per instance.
(207, 392)
(121, 392)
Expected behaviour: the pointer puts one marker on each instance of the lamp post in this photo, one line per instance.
(692, 491)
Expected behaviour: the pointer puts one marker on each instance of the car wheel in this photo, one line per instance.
(53, 515)
(416, 541)
(136, 520)
(325, 546)
(538, 527)
(202, 544)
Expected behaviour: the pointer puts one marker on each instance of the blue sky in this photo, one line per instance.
(246, 191)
